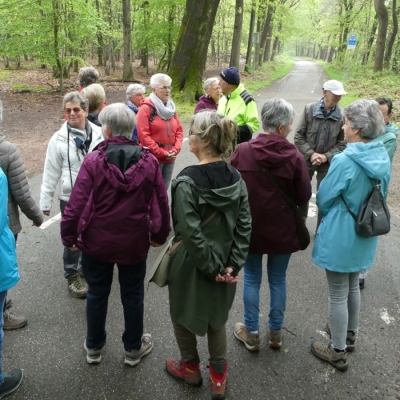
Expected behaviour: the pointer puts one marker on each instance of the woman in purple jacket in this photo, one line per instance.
(274, 226)
(212, 95)
(117, 210)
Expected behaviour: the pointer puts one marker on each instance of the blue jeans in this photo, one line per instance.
(276, 269)
(343, 306)
(2, 302)
(70, 258)
(99, 276)
(166, 171)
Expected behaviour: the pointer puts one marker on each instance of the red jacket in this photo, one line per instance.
(159, 136)
(274, 224)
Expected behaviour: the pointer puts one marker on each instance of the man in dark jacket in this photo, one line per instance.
(319, 134)
(117, 210)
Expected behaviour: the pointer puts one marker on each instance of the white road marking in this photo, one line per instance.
(312, 209)
(50, 221)
(386, 317)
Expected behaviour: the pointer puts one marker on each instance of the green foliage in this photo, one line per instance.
(23, 87)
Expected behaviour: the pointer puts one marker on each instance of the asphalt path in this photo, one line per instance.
(50, 348)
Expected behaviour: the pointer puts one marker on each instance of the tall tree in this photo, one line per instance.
(190, 55)
(237, 34)
(389, 49)
(251, 31)
(383, 21)
(127, 72)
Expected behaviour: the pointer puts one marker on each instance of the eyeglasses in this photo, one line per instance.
(216, 88)
(165, 87)
(194, 133)
(76, 110)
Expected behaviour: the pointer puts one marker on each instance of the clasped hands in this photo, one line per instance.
(228, 277)
(318, 159)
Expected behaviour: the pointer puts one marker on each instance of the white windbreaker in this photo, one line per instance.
(58, 166)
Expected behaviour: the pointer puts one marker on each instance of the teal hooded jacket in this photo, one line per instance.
(352, 174)
(389, 139)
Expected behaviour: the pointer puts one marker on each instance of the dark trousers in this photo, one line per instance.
(99, 276)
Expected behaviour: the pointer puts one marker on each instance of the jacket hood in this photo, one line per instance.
(392, 128)
(208, 100)
(120, 160)
(272, 151)
(220, 199)
(372, 157)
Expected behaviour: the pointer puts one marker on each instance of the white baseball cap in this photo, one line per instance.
(335, 87)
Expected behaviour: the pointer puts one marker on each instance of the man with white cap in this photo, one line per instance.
(319, 134)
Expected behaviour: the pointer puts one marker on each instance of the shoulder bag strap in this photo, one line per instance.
(208, 219)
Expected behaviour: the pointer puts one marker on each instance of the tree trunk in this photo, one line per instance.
(383, 18)
(268, 43)
(237, 35)
(190, 55)
(100, 40)
(251, 31)
(370, 40)
(127, 72)
(267, 29)
(393, 35)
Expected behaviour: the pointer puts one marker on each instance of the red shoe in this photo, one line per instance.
(218, 383)
(190, 373)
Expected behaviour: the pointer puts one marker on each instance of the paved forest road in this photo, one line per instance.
(50, 347)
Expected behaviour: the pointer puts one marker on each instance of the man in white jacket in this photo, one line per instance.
(65, 153)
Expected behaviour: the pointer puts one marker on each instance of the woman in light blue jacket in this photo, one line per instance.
(8, 278)
(337, 247)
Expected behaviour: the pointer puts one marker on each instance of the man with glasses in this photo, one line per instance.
(65, 153)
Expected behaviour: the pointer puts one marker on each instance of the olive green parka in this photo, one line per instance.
(197, 301)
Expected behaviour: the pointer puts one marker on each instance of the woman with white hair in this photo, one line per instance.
(134, 95)
(266, 163)
(117, 210)
(338, 248)
(213, 93)
(159, 127)
(87, 76)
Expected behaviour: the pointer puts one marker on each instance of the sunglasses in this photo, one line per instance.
(76, 110)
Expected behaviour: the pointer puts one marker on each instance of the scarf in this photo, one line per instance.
(165, 112)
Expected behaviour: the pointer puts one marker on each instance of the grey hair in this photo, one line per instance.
(1, 111)
(276, 112)
(366, 116)
(134, 89)
(209, 82)
(87, 76)
(119, 119)
(76, 97)
(220, 131)
(156, 80)
(96, 96)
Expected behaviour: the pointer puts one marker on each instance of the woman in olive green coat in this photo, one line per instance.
(203, 271)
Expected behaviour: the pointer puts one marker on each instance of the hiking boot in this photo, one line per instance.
(361, 283)
(12, 321)
(275, 338)
(11, 382)
(327, 353)
(77, 286)
(93, 356)
(8, 304)
(190, 373)
(250, 340)
(218, 383)
(133, 357)
(350, 339)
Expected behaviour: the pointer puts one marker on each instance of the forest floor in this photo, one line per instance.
(31, 117)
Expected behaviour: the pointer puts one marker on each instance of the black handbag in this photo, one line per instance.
(302, 231)
(374, 216)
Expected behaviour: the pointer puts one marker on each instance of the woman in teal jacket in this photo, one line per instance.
(8, 278)
(337, 247)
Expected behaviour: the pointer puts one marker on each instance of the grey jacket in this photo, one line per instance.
(317, 134)
(18, 187)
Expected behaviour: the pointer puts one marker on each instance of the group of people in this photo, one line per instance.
(115, 171)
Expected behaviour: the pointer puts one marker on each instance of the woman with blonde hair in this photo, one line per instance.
(211, 216)
(96, 96)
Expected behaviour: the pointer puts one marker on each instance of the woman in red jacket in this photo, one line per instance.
(159, 127)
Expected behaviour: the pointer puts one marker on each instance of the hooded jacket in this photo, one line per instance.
(159, 135)
(62, 163)
(205, 103)
(319, 134)
(352, 174)
(8, 259)
(18, 187)
(389, 139)
(197, 301)
(274, 225)
(118, 201)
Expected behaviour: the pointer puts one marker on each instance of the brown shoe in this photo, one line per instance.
(250, 340)
(190, 373)
(350, 338)
(77, 286)
(218, 383)
(12, 322)
(275, 338)
(327, 353)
